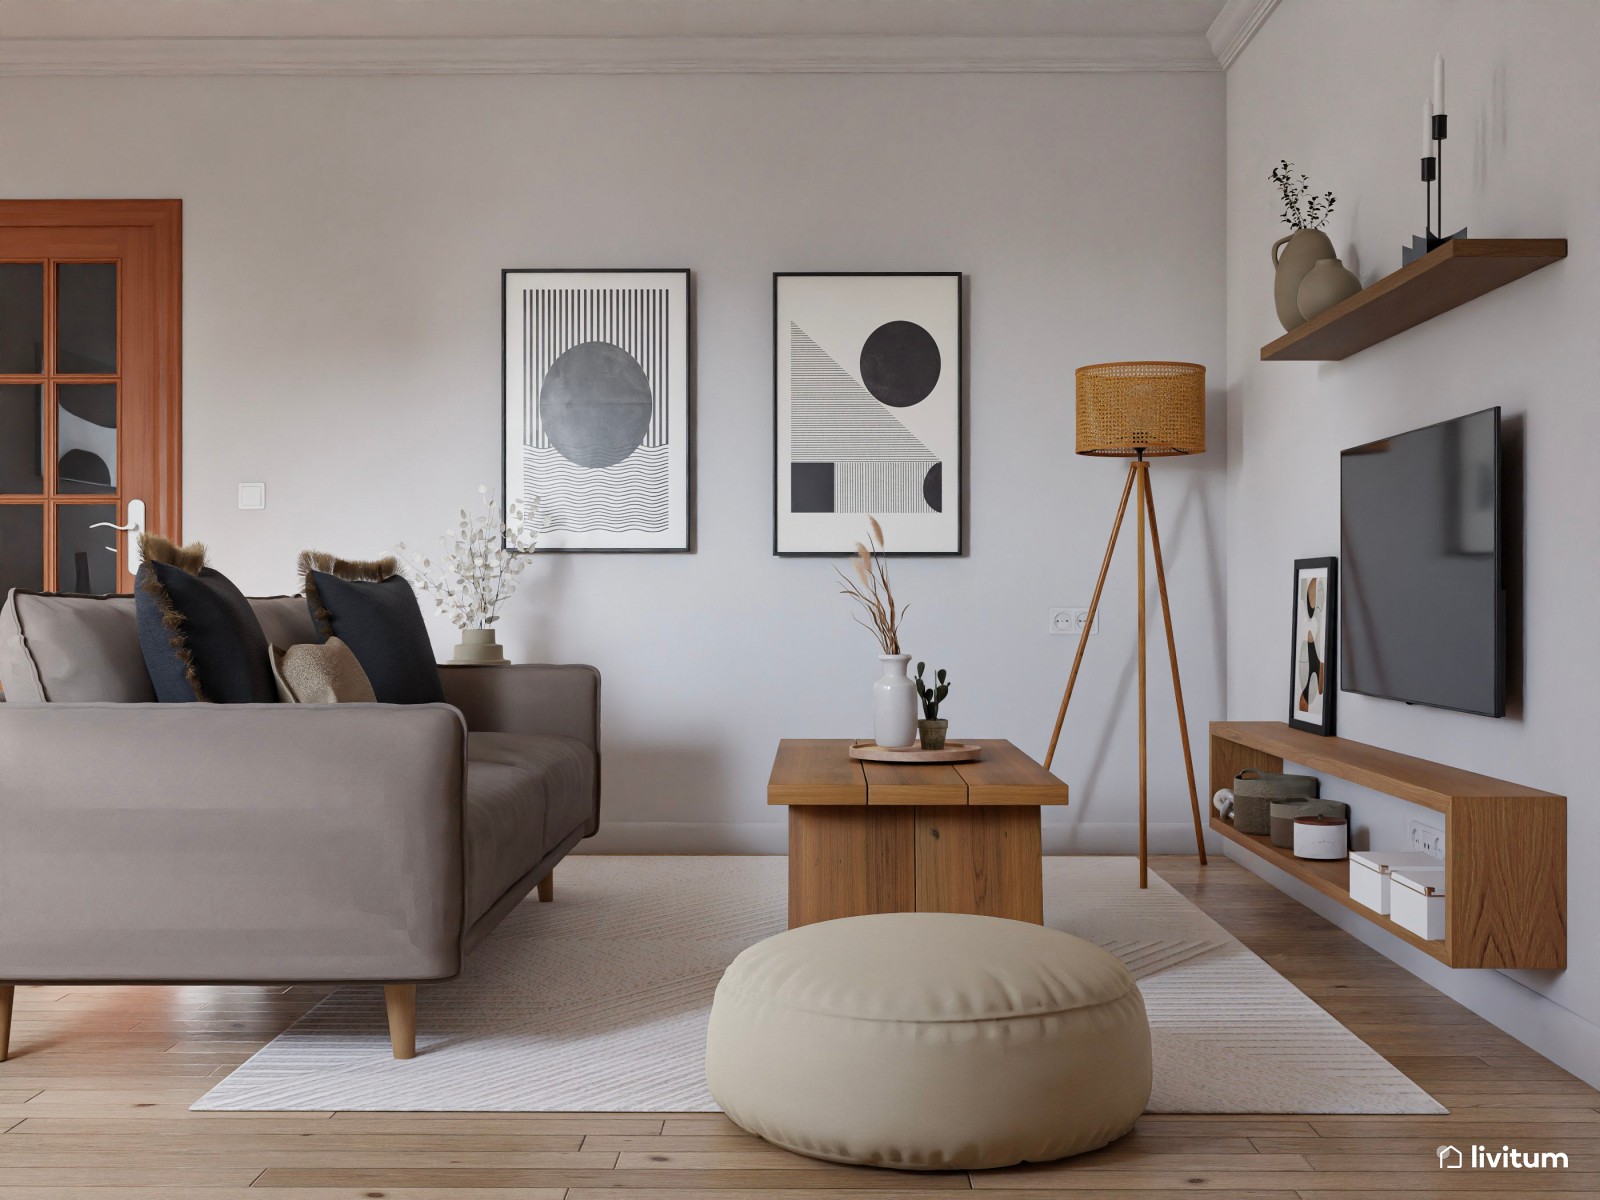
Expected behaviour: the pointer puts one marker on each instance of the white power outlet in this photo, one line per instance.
(1071, 622)
(1429, 839)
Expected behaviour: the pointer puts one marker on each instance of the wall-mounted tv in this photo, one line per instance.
(1424, 600)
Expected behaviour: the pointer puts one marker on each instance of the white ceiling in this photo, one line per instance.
(285, 36)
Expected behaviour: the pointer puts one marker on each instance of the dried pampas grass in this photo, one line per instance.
(873, 592)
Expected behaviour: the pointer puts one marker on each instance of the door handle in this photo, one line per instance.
(134, 526)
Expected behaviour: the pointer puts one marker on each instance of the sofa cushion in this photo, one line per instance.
(200, 637)
(66, 648)
(525, 794)
(82, 649)
(374, 612)
(284, 620)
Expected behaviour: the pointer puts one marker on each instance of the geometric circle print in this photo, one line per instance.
(900, 363)
(595, 404)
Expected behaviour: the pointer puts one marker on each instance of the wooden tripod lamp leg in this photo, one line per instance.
(1144, 772)
(7, 994)
(1177, 684)
(1094, 606)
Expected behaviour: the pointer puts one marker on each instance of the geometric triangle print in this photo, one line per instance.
(832, 416)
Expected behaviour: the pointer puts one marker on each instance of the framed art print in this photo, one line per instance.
(1315, 656)
(597, 406)
(868, 398)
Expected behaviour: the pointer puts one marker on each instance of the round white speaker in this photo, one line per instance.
(1321, 837)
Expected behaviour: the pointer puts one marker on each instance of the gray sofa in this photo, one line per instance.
(270, 843)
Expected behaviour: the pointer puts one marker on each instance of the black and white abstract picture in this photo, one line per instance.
(868, 381)
(1316, 606)
(597, 406)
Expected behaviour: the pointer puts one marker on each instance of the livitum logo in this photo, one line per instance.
(1482, 1157)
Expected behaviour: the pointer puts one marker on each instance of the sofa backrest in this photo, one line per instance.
(61, 648)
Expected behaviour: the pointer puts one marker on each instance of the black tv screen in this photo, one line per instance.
(1424, 606)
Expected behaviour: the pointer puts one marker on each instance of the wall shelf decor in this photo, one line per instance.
(1505, 845)
(1444, 278)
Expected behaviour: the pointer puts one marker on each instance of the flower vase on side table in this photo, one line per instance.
(894, 703)
(479, 648)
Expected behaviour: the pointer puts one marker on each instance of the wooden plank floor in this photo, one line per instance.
(94, 1107)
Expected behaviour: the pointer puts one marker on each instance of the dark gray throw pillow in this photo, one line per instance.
(374, 611)
(200, 639)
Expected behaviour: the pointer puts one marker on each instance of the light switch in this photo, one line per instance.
(252, 495)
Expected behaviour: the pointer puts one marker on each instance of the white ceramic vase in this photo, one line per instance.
(894, 703)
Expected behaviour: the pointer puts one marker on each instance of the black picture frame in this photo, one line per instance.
(1319, 715)
(688, 542)
(958, 491)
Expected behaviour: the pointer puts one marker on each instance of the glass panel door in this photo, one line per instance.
(23, 436)
(89, 388)
(60, 331)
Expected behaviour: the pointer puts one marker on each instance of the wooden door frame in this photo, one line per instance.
(164, 221)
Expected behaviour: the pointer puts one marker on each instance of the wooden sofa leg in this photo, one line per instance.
(547, 887)
(401, 1001)
(8, 993)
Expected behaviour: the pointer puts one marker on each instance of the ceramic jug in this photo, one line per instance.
(1329, 282)
(1292, 258)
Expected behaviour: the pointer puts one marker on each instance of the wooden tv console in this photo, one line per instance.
(1505, 845)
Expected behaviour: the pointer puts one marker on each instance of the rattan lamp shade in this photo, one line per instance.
(1156, 407)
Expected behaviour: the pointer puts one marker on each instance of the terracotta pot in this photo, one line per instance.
(1300, 251)
(1329, 282)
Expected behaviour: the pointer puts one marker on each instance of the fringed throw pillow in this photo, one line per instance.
(371, 609)
(199, 637)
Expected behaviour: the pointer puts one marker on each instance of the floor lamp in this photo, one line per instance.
(1140, 411)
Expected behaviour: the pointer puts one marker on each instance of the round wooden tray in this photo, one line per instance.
(870, 751)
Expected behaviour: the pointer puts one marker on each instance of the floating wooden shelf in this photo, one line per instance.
(1445, 278)
(1505, 845)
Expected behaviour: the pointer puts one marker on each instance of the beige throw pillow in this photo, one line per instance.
(325, 674)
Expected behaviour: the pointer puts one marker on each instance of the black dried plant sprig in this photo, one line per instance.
(1301, 209)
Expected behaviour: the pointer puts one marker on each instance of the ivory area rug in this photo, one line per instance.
(599, 1002)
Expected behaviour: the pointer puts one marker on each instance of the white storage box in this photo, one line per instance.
(1416, 900)
(1369, 874)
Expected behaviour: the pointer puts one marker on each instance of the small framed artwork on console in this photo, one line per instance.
(867, 384)
(1313, 658)
(597, 419)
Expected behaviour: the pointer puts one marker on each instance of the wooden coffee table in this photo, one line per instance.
(867, 837)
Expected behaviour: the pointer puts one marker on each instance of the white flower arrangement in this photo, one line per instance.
(483, 557)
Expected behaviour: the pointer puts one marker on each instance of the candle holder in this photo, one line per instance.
(1433, 197)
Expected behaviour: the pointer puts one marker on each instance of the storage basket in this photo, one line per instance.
(1254, 791)
(1282, 814)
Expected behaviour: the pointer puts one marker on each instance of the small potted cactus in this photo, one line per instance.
(931, 727)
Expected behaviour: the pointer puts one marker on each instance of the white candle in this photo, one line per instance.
(1427, 129)
(1438, 83)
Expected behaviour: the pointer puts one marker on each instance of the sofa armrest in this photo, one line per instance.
(221, 842)
(531, 698)
(527, 698)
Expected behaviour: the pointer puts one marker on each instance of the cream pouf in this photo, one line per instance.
(929, 1041)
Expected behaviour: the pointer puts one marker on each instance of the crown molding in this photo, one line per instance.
(1236, 24)
(782, 54)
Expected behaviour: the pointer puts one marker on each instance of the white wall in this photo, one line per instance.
(1338, 89)
(343, 243)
